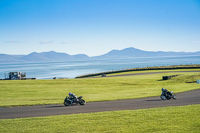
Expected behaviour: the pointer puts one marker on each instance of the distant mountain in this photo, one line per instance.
(53, 56)
(81, 56)
(44, 56)
(114, 54)
(133, 52)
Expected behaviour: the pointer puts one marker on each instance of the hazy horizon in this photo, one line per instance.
(94, 27)
(101, 54)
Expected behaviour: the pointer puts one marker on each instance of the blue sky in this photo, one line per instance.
(94, 27)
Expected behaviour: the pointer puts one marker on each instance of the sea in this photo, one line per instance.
(72, 69)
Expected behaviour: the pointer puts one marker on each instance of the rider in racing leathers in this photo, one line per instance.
(72, 97)
(165, 92)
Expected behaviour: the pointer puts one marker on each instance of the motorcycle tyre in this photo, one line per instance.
(163, 97)
(82, 102)
(67, 103)
(174, 96)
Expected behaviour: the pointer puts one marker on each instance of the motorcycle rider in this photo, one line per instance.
(72, 97)
(165, 92)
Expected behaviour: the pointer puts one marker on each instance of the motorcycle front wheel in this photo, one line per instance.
(82, 102)
(174, 96)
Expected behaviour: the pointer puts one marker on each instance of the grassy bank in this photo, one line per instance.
(183, 119)
(32, 92)
(173, 67)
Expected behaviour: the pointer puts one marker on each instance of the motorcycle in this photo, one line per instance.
(168, 96)
(69, 102)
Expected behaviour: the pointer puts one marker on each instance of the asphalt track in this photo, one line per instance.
(184, 98)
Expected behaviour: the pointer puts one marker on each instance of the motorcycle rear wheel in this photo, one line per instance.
(67, 103)
(163, 97)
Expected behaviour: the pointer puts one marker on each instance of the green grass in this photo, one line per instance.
(150, 71)
(182, 119)
(32, 92)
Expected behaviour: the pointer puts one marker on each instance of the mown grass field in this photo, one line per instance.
(32, 92)
(182, 119)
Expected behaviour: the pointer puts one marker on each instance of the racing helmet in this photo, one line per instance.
(162, 89)
(70, 93)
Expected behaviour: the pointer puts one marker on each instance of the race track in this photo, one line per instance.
(184, 98)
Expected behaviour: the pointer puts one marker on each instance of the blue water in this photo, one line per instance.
(71, 69)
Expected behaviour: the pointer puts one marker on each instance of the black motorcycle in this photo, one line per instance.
(69, 102)
(168, 95)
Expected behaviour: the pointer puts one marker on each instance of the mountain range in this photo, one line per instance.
(133, 52)
(114, 54)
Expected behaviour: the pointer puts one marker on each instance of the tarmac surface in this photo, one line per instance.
(184, 98)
